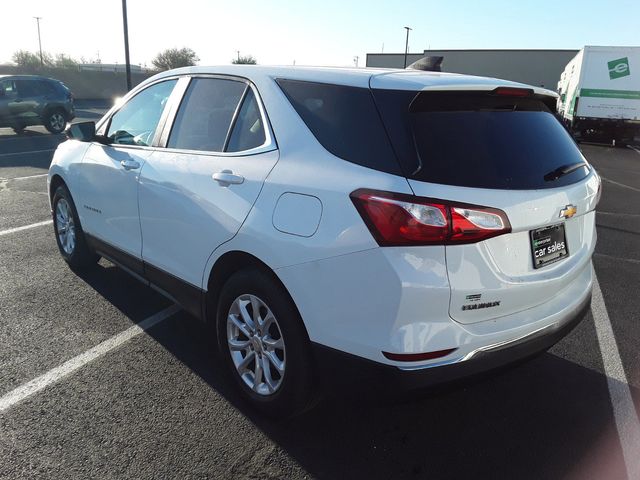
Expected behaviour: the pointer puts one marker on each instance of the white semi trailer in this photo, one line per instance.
(599, 93)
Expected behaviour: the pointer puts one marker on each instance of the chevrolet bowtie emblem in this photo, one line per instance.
(568, 211)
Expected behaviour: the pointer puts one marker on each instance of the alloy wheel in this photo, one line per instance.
(57, 121)
(256, 344)
(65, 226)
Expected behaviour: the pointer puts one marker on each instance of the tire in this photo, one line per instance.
(70, 238)
(288, 394)
(55, 121)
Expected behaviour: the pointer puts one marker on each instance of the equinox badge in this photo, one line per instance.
(568, 211)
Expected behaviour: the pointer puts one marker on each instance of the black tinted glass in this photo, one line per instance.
(28, 88)
(248, 131)
(344, 120)
(46, 88)
(480, 141)
(205, 114)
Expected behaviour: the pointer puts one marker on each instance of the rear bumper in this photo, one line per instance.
(340, 369)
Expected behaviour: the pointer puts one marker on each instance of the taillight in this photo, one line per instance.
(396, 219)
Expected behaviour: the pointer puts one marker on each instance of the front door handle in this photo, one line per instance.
(227, 177)
(129, 164)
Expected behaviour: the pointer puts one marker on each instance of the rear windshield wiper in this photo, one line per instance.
(562, 171)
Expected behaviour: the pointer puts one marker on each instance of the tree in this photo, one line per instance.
(25, 58)
(175, 58)
(244, 60)
(65, 61)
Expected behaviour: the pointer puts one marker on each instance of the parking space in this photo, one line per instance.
(158, 405)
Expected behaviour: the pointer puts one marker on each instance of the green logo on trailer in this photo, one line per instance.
(618, 68)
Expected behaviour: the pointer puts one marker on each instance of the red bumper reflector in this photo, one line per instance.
(417, 357)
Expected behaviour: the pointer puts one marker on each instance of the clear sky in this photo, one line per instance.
(326, 32)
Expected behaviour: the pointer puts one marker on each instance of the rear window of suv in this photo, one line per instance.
(477, 139)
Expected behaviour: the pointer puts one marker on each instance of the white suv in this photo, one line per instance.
(415, 226)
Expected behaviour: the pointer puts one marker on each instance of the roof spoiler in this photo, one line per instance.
(427, 64)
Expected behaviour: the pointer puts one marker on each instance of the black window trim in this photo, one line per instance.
(269, 144)
(234, 118)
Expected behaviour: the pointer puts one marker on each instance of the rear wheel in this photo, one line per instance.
(264, 344)
(55, 121)
(69, 235)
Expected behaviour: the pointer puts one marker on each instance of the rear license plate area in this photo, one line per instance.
(548, 245)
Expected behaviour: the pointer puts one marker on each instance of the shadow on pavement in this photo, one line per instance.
(548, 418)
(131, 297)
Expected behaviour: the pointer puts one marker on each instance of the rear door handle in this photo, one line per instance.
(129, 164)
(227, 177)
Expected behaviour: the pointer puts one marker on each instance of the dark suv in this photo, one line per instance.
(33, 100)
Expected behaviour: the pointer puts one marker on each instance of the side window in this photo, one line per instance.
(46, 88)
(9, 87)
(27, 88)
(344, 120)
(135, 123)
(248, 131)
(204, 117)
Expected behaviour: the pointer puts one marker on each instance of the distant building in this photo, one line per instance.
(109, 67)
(534, 67)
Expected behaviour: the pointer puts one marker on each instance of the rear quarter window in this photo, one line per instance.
(344, 120)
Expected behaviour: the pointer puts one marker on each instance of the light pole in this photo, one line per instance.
(126, 43)
(39, 41)
(406, 46)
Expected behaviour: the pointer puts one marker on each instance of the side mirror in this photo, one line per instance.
(85, 132)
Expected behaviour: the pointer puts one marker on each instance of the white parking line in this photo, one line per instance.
(56, 374)
(612, 257)
(624, 410)
(26, 153)
(620, 184)
(25, 227)
(28, 176)
(599, 212)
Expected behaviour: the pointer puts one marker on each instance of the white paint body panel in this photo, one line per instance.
(108, 195)
(501, 268)
(297, 214)
(185, 214)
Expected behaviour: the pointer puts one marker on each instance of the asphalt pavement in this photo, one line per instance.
(159, 406)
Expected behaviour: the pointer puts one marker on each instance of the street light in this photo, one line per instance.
(126, 43)
(406, 47)
(39, 41)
